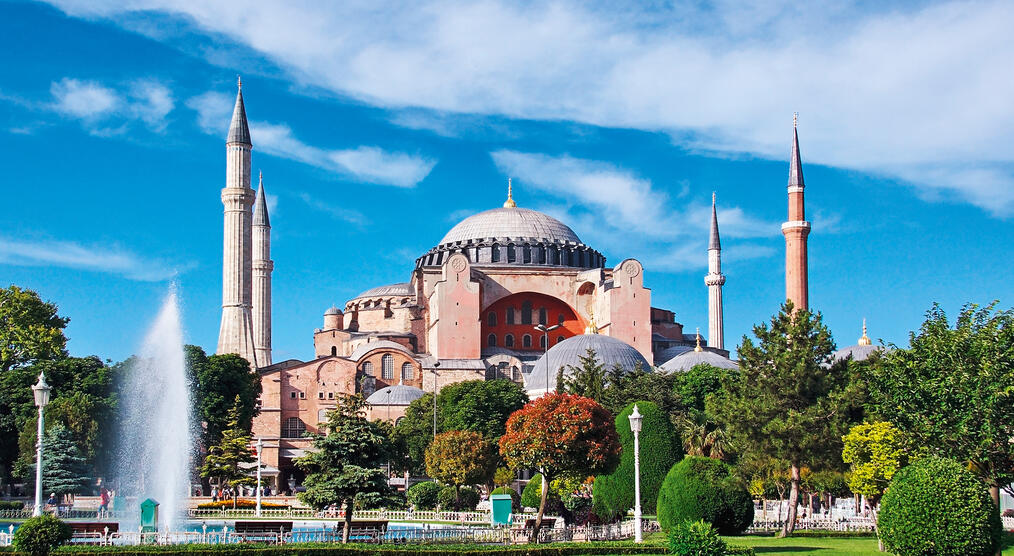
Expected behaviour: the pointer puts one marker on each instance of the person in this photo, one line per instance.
(52, 499)
(103, 502)
(214, 494)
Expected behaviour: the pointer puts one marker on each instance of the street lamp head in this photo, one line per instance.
(541, 327)
(635, 420)
(554, 327)
(41, 391)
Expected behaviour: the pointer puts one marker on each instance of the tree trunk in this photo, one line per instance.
(348, 520)
(542, 510)
(790, 517)
(994, 493)
(764, 508)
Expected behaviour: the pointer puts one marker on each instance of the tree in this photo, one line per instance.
(30, 329)
(223, 462)
(876, 451)
(788, 401)
(587, 379)
(220, 380)
(482, 406)
(460, 458)
(413, 434)
(950, 390)
(561, 435)
(64, 468)
(345, 468)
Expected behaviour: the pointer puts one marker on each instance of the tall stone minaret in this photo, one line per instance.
(236, 333)
(262, 267)
(796, 230)
(715, 280)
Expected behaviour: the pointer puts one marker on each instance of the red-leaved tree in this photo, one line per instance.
(561, 435)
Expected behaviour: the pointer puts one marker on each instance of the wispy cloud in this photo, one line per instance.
(335, 211)
(104, 110)
(917, 92)
(108, 259)
(368, 164)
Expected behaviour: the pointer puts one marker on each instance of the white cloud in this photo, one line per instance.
(365, 163)
(341, 213)
(106, 111)
(83, 99)
(917, 92)
(109, 259)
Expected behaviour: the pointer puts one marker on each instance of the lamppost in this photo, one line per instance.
(41, 391)
(260, 448)
(435, 365)
(545, 344)
(635, 427)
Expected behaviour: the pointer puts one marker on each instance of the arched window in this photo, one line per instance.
(491, 373)
(510, 315)
(560, 318)
(407, 371)
(526, 312)
(334, 351)
(512, 255)
(526, 254)
(491, 318)
(542, 341)
(387, 367)
(368, 368)
(491, 341)
(495, 257)
(542, 255)
(515, 374)
(526, 341)
(293, 428)
(560, 339)
(322, 415)
(543, 316)
(508, 341)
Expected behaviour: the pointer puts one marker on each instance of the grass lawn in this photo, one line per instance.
(828, 546)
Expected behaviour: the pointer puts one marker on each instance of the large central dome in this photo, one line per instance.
(510, 222)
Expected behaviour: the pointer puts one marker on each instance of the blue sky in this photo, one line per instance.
(378, 127)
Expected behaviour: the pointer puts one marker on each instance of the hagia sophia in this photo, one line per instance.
(506, 293)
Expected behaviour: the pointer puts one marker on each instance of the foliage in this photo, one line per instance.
(701, 381)
(64, 469)
(345, 466)
(11, 505)
(30, 329)
(461, 458)
(876, 451)
(561, 435)
(696, 538)
(531, 495)
(221, 379)
(413, 434)
(423, 496)
(224, 459)
(935, 506)
(788, 400)
(515, 497)
(241, 503)
(503, 476)
(587, 379)
(481, 406)
(361, 549)
(463, 499)
(950, 391)
(39, 535)
(613, 494)
(704, 488)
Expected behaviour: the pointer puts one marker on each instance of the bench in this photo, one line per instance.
(263, 530)
(547, 523)
(92, 532)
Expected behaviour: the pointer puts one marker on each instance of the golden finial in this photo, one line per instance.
(795, 119)
(864, 340)
(592, 328)
(239, 83)
(509, 203)
(698, 348)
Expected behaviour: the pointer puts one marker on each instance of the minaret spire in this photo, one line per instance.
(715, 280)
(262, 268)
(796, 229)
(239, 130)
(509, 203)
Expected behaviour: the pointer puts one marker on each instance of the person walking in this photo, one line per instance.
(103, 502)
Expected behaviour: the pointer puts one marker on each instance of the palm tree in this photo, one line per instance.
(702, 436)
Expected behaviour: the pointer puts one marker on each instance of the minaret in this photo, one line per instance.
(715, 280)
(262, 267)
(795, 231)
(236, 333)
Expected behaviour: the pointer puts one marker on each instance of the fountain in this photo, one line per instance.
(156, 434)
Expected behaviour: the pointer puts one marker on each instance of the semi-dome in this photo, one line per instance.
(399, 394)
(403, 288)
(512, 223)
(568, 353)
(690, 359)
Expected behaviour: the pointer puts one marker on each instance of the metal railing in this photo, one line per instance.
(856, 524)
(464, 518)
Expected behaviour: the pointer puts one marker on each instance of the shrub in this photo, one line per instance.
(936, 506)
(700, 488)
(39, 535)
(464, 501)
(423, 496)
(11, 505)
(613, 494)
(532, 494)
(515, 497)
(695, 538)
(242, 503)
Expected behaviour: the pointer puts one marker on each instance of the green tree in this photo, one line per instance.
(587, 379)
(876, 451)
(30, 329)
(788, 400)
(224, 460)
(344, 468)
(460, 458)
(950, 391)
(220, 380)
(413, 434)
(64, 468)
(482, 406)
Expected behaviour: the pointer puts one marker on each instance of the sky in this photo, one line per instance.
(378, 126)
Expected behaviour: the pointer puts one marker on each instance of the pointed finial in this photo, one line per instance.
(698, 348)
(509, 203)
(239, 83)
(714, 242)
(712, 198)
(795, 119)
(260, 178)
(592, 328)
(864, 340)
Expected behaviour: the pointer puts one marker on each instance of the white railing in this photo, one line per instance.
(856, 524)
(464, 518)
(5, 539)
(1008, 523)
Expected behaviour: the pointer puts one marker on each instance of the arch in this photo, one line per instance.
(495, 255)
(526, 254)
(368, 368)
(407, 371)
(491, 341)
(293, 427)
(387, 367)
(322, 415)
(534, 307)
(542, 341)
(334, 351)
(512, 255)
(508, 341)
(510, 315)
(526, 341)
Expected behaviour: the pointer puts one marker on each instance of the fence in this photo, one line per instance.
(464, 518)
(856, 524)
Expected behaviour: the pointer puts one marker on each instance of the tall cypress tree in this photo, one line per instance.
(64, 467)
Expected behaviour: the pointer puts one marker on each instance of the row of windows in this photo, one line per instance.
(526, 315)
(526, 341)
(387, 368)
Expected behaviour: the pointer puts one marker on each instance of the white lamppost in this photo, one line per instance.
(545, 340)
(41, 391)
(635, 427)
(435, 367)
(260, 448)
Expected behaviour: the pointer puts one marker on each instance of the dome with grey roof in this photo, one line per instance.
(608, 351)
(399, 394)
(332, 311)
(510, 222)
(858, 352)
(400, 289)
(670, 352)
(690, 359)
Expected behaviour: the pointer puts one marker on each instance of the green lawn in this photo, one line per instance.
(827, 546)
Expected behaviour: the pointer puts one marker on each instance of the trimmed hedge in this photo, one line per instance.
(39, 535)
(423, 496)
(704, 488)
(11, 505)
(531, 496)
(696, 538)
(661, 448)
(936, 506)
(561, 549)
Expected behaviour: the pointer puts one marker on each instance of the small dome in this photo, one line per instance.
(690, 359)
(332, 311)
(670, 352)
(403, 288)
(609, 352)
(399, 394)
(510, 222)
(860, 352)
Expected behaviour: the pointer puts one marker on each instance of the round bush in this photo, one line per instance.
(613, 494)
(700, 488)
(515, 497)
(696, 538)
(423, 496)
(39, 535)
(463, 501)
(936, 506)
(531, 496)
